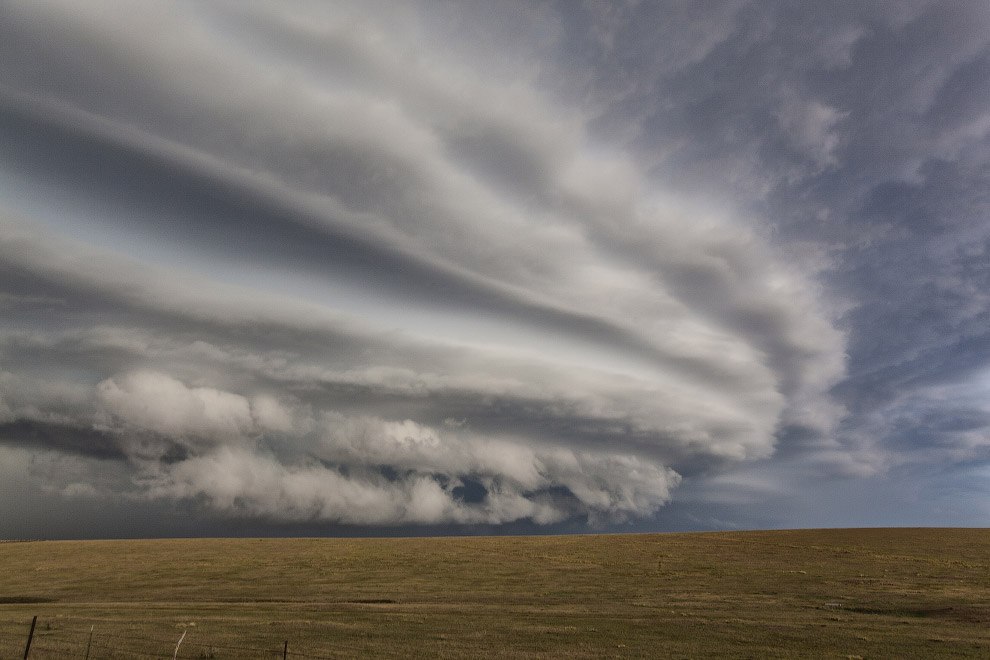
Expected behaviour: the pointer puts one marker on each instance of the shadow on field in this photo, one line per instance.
(972, 614)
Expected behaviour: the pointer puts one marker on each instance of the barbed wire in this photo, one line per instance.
(61, 639)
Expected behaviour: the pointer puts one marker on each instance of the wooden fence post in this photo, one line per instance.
(27, 649)
(285, 650)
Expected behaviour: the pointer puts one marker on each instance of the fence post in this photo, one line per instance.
(89, 644)
(285, 650)
(27, 649)
(176, 654)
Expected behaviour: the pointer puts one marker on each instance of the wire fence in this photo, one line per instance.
(48, 639)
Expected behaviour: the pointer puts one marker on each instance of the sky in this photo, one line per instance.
(317, 268)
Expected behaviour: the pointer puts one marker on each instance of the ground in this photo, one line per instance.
(901, 593)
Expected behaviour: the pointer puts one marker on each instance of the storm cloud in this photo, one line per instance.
(343, 264)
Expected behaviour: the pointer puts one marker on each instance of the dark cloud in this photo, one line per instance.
(60, 437)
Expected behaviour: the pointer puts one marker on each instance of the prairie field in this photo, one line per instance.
(870, 593)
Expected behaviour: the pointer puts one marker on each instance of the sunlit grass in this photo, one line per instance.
(821, 593)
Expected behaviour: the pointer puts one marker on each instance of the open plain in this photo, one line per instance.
(902, 593)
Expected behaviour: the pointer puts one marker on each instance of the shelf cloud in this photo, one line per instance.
(329, 264)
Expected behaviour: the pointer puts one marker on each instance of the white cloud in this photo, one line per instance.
(615, 331)
(812, 128)
(241, 482)
(155, 402)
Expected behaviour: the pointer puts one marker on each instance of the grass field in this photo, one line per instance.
(825, 593)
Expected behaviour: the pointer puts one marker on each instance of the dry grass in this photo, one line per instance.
(824, 593)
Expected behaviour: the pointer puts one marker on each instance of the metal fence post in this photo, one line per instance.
(176, 654)
(89, 644)
(27, 648)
